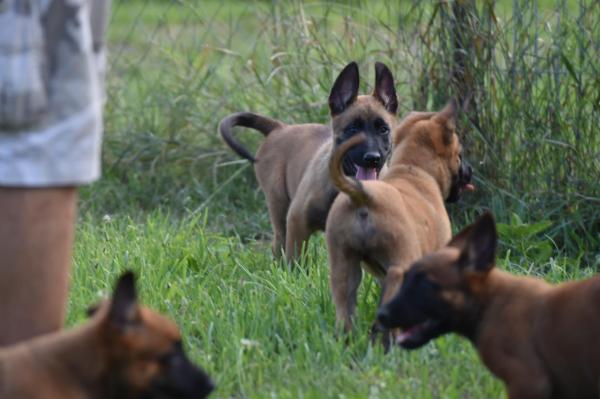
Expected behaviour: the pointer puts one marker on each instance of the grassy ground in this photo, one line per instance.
(178, 208)
(262, 331)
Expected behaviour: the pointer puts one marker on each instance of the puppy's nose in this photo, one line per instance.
(466, 171)
(383, 316)
(372, 158)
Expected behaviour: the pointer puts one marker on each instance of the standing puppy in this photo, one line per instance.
(541, 340)
(125, 351)
(292, 164)
(391, 222)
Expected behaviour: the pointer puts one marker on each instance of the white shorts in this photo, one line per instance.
(51, 93)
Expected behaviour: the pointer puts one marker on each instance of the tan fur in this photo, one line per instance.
(404, 216)
(98, 360)
(288, 172)
(548, 334)
(66, 364)
(540, 339)
(292, 167)
(315, 192)
(352, 187)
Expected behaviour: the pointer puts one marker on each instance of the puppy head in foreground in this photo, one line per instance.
(373, 115)
(145, 354)
(439, 292)
(429, 140)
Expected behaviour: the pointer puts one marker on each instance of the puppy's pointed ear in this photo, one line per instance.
(385, 91)
(460, 239)
(447, 118)
(124, 306)
(478, 252)
(344, 90)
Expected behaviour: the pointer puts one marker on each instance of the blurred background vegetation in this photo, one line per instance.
(176, 206)
(527, 71)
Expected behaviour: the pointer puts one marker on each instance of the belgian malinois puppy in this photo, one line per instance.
(125, 351)
(541, 340)
(389, 223)
(292, 164)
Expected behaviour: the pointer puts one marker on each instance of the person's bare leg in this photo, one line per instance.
(36, 239)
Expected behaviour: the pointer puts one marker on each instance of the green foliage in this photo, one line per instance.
(257, 328)
(261, 330)
(528, 68)
(180, 209)
(522, 237)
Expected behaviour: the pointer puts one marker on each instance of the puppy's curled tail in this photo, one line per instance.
(345, 184)
(254, 121)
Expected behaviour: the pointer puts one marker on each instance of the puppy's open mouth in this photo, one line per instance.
(419, 334)
(467, 187)
(363, 173)
(458, 188)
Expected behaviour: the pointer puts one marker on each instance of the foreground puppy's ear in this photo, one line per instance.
(479, 251)
(344, 90)
(461, 238)
(124, 307)
(447, 118)
(385, 91)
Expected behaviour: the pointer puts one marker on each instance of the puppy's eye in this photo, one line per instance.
(427, 286)
(352, 129)
(384, 129)
(168, 357)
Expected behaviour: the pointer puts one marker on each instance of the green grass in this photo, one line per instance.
(177, 68)
(262, 331)
(177, 207)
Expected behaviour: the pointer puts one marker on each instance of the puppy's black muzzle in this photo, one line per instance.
(461, 181)
(363, 158)
(465, 172)
(180, 379)
(372, 159)
(384, 317)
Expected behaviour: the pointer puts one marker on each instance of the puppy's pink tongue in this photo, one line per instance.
(365, 173)
(469, 187)
(402, 337)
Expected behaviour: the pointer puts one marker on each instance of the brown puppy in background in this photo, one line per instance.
(292, 164)
(125, 351)
(391, 222)
(541, 340)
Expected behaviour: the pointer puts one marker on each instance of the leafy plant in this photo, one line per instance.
(524, 238)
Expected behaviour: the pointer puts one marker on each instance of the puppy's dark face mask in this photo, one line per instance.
(461, 181)
(178, 377)
(365, 161)
(373, 115)
(418, 308)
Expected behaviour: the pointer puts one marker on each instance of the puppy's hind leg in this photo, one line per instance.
(392, 284)
(278, 204)
(345, 277)
(298, 230)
